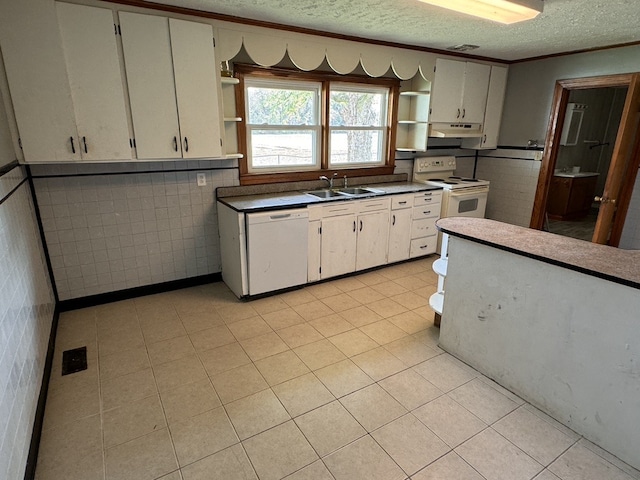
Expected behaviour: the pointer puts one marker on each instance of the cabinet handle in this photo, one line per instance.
(394, 220)
(175, 143)
(484, 139)
(84, 140)
(360, 225)
(427, 212)
(464, 111)
(458, 115)
(73, 147)
(402, 203)
(186, 144)
(354, 225)
(423, 246)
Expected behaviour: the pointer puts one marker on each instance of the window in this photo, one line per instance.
(303, 124)
(283, 124)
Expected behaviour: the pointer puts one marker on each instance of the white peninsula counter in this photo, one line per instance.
(553, 319)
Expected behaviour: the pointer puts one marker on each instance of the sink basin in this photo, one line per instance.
(324, 193)
(355, 190)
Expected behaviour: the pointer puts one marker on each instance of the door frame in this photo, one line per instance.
(552, 146)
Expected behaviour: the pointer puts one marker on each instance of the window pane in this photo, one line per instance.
(282, 106)
(283, 148)
(356, 146)
(351, 109)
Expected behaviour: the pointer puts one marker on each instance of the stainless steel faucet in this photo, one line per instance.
(329, 180)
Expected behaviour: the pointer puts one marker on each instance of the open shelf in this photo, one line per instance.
(229, 80)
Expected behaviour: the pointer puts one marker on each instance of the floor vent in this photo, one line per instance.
(74, 360)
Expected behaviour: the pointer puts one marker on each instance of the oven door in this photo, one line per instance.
(466, 202)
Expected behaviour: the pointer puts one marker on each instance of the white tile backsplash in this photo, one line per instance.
(26, 313)
(513, 180)
(110, 229)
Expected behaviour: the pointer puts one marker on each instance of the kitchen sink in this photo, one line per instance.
(355, 190)
(324, 193)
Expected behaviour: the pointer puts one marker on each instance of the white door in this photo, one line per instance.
(399, 235)
(196, 77)
(338, 250)
(38, 82)
(93, 67)
(147, 54)
(476, 86)
(446, 95)
(373, 237)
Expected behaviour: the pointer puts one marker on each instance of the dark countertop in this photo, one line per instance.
(603, 261)
(299, 199)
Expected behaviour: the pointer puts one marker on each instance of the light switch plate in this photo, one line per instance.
(201, 179)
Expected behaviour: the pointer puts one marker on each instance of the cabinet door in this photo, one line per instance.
(446, 96)
(476, 86)
(493, 112)
(373, 237)
(399, 235)
(93, 67)
(152, 94)
(196, 77)
(338, 250)
(38, 82)
(313, 252)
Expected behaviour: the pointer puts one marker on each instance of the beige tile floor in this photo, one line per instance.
(341, 380)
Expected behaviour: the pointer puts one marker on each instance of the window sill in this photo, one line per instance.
(263, 178)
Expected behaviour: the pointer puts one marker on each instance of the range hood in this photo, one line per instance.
(455, 130)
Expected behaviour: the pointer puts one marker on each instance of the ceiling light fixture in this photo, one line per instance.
(503, 11)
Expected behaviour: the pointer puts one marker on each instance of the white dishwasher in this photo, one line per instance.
(277, 249)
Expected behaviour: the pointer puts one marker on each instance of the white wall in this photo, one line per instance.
(119, 226)
(26, 313)
(545, 333)
(7, 154)
(630, 239)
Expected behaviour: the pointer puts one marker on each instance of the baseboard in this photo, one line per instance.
(102, 298)
(36, 432)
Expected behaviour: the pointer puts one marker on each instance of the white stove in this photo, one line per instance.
(438, 171)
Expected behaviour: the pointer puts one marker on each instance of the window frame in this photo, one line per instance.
(247, 177)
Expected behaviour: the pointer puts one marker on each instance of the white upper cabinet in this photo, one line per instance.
(196, 75)
(459, 92)
(37, 77)
(173, 87)
(93, 68)
(147, 54)
(493, 112)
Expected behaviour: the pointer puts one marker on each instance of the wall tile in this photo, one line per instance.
(26, 312)
(131, 229)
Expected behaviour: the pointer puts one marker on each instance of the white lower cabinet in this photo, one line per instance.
(425, 213)
(314, 243)
(400, 228)
(373, 234)
(338, 247)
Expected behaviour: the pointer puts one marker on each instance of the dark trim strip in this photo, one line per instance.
(510, 158)
(507, 147)
(444, 147)
(575, 52)
(6, 197)
(36, 433)
(8, 167)
(102, 298)
(43, 240)
(141, 172)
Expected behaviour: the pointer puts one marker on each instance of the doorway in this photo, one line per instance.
(591, 158)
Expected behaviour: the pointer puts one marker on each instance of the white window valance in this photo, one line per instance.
(267, 47)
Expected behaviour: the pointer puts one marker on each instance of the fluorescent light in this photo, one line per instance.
(503, 11)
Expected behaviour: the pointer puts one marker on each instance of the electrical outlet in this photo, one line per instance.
(538, 155)
(201, 179)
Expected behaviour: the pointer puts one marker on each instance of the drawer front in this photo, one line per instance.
(338, 208)
(374, 204)
(315, 212)
(423, 246)
(398, 202)
(426, 211)
(427, 198)
(424, 227)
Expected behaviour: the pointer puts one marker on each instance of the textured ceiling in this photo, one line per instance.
(564, 26)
